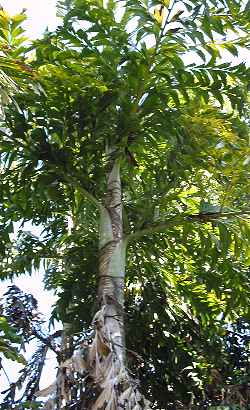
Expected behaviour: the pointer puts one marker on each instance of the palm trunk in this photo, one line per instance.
(112, 263)
(107, 354)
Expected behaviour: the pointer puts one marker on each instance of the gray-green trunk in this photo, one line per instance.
(112, 262)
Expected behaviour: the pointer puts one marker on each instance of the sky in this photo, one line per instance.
(41, 14)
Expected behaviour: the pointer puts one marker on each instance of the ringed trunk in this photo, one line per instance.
(106, 356)
(112, 263)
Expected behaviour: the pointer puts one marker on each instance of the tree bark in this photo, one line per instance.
(106, 358)
(112, 263)
(107, 354)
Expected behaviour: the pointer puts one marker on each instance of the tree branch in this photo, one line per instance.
(161, 34)
(47, 341)
(181, 219)
(6, 374)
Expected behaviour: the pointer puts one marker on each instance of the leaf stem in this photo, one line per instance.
(180, 219)
(158, 41)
